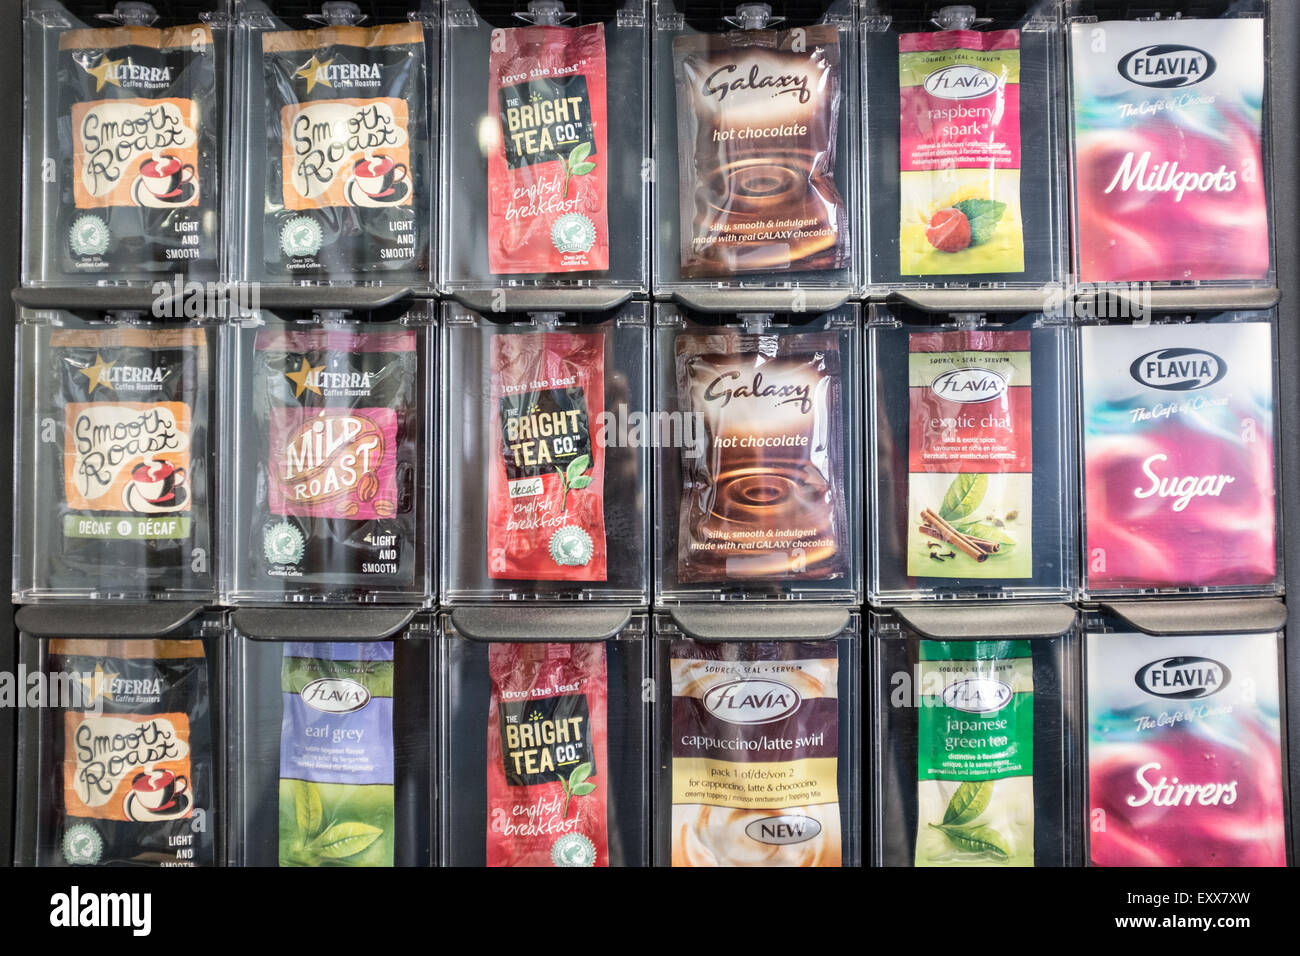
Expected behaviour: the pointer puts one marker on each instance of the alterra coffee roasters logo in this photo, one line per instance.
(123, 73)
(1166, 66)
(1178, 369)
(1183, 678)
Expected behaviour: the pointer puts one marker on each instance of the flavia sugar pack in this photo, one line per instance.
(337, 755)
(1168, 153)
(546, 485)
(139, 137)
(1178, 456)
(547, 775)
(134, 761)
(547, 174)
(1184, 758)
(346, 142)
(337, 423)
(766, 498)
(959, 179)
(975, 746)
(755, 753)
(757, 119)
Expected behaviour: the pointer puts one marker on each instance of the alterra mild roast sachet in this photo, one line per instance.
(346, 142)
(138, 124)
(757, 114)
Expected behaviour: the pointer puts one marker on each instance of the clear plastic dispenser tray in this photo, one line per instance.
(544, 725)
(1179, 434)
(124, 147)
(335, 145)
(545, 456)
(964, 178)
(121, 747)
(546, 166)
(328, 457)
(971, 447)
(757, 716)
(974, 736)
(1183, 739)
(758, 490)
(332, 727)
(756, 166)
(114, 456)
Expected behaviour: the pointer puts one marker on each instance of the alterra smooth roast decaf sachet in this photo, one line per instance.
(547, 777)
(547, 175)
(337, 765)
(766, 498)
(139, 123)
(135, 763)
(757, 119)
(347, 141)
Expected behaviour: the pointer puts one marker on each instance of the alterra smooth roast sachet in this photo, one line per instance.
(757, 115)
(346, 142)
(138, 121)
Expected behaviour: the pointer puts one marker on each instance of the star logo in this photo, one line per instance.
(302, 378)
(96, 373)
(314, 72)
(106, 72)
(98, 684)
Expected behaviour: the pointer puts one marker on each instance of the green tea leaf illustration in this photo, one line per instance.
(580, 482)
(984, 215)
(582, 169)
(582, 789)
(989, 532)
(580, 773)
(980, 838)
(968, 802)
(578, 154)
(345, 839)
(307, 808)
(963, 496)
(576, 468)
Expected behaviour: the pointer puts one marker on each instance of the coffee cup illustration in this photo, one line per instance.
(155, 486)
(380, 179)
(158, 791)
(166, 179)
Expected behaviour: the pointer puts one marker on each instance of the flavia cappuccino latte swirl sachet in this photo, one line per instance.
(757, 112)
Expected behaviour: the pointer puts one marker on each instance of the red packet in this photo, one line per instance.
(546, 768)
(546, 174)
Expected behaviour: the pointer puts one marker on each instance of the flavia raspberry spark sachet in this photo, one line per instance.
(757, 115)
(959, 179)
(546, 485)
(547, 174)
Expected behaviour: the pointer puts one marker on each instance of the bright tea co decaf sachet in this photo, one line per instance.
(1178, 456)
(138, 112)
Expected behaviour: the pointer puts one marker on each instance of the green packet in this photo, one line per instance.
(336, 755)
(975, 783)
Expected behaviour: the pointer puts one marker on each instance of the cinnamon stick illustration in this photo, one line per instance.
(935, 527)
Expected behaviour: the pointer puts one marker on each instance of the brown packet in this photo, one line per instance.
(766, 497)
(757, 115)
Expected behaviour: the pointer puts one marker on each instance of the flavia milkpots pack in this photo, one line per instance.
(139, 137)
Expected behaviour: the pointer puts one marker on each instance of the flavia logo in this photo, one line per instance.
(961, 83)
(783, 830)
(1178, 369)
(1183, 678)
(969, 386)
(1166, 66)
(335, 695)
(754, 700)
(977, 695)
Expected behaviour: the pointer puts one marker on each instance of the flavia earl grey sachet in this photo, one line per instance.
(757, 114)
(346, 142)
(139, 124)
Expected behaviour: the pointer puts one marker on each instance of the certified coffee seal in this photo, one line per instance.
(571, 547)
(283, 543)
(88, 236)
(573, 849)
(82, 845)
(573, 232)
(301, 236)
